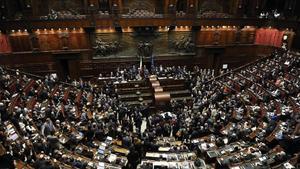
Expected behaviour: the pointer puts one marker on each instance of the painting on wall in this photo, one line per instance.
(126, 44)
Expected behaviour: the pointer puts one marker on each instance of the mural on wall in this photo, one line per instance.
(103, 48)
(126, 43)
(184, 44)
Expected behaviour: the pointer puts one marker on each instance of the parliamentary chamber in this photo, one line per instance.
(97, 36)
(150, 84)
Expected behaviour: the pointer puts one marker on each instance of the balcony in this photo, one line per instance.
(134, 21)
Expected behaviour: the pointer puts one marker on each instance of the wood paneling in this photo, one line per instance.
(205, 37)
(234, 55)
(216, 36)
(125, 22)
(49, 40)
(20, 42)
(104, 22)
(82, 65)
(145, 22)
(247, 35)
(77, 40)
(44, 24)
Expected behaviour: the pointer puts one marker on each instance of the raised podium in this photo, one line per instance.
(161, 97)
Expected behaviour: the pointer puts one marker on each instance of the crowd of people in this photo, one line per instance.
(142, 13)
(43, 121)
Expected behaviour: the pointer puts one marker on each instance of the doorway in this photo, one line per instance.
(64, 65)
(67, 65)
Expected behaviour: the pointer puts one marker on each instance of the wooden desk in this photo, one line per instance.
(158, 89)
(66, 94)
(162, 97)
(272, 136)
(28, 86)
(21, 165)
(78, 97)
(54, 90)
